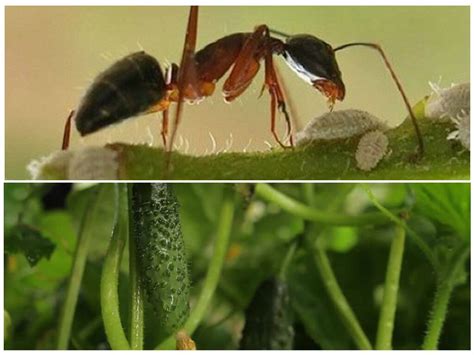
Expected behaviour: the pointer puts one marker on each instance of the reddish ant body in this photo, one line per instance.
(136, 84)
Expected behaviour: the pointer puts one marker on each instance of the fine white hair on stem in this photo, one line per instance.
(247, 146)
(151, 138)
(228, 143)
(107, 56)
(140, 47)
(213, 143)
(268, 144)
(186, 146)
(179, 144)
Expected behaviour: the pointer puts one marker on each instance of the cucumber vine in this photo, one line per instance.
(146, 264)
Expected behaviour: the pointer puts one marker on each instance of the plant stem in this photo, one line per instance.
(214, 271)
(390, 294)
(296, 208)
(413, 235)
(443, 293)
(109, 298)
(136, 290)
(335, 293)
(331, 284)
(79, 262)
(288, 257)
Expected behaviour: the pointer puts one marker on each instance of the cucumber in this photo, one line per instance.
(268, 318)
(161, 257)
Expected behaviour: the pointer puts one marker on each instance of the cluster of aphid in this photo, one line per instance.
(372, 146)
(452, 104)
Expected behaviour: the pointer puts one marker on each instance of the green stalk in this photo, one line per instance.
(80, 258)
(328, 276)
(109, 298)
(299, 209)
(213, 273)
(443, 293)
(389, 304)
(287, 259)
(136, 290)
(335, 293)
(411, 233)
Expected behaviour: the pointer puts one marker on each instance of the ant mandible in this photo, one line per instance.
(136, 84)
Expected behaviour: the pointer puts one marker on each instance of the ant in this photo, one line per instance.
(137, 85)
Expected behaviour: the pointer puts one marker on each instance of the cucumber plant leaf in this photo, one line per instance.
(30, 242)
(447, 204)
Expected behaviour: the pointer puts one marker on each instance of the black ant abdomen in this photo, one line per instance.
(131, 86)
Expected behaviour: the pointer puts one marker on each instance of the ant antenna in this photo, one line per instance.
(397, 83)
(279, 33)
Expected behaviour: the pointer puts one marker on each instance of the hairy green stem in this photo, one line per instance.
(411, 233)
(136, 314)
(214, 271)
(335, 293)
(109, 297)
(331, 284)
(299, 209)
(443, 293)
(79, 262)
(390, 293)
(287, 260)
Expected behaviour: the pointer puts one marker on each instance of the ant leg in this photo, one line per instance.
(246, 67)
(271, 82)
(379, 49)
(273, 119)
(67, 131)
(164, 127)
(187, 71)
(290, 104)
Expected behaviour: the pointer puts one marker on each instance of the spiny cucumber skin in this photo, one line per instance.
(161, 253)
(268, 318)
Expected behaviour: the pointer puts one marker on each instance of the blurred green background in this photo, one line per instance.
(52, 54)
(262, 234)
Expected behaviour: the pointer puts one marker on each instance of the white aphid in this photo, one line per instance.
(463, 130)
(371, 149)
(445, 103)
(373, 144)
(52, 166)
(338, 125)
(94, 163)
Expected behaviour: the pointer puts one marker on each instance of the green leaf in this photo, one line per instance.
(448, 204)
(30, 242)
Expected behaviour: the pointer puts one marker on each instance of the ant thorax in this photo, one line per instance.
(301, 71)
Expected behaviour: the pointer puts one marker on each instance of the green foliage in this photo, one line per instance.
(446, 204)
(30, 242)
(262, 234)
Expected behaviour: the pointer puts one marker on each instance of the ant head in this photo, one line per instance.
(315, 62)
